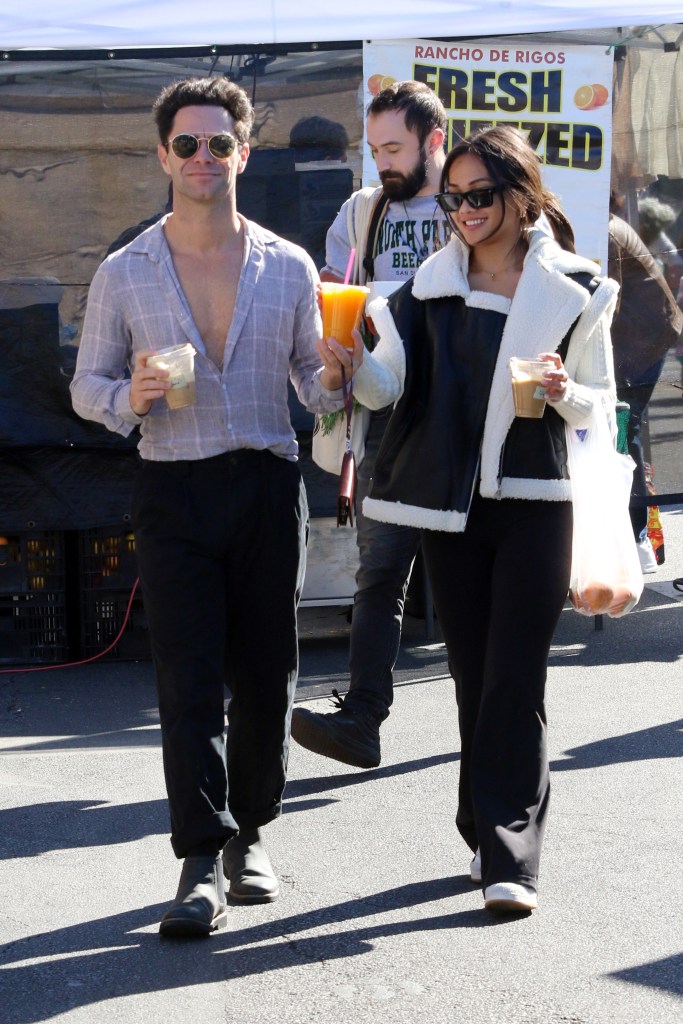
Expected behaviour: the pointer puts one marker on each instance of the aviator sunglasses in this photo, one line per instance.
(477, 198)
(186, 145)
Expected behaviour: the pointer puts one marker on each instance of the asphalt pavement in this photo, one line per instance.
(377, 918)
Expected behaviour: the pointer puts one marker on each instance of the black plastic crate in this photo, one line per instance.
(106, 559)
(33, 628)
(103, 613)
(32, 563)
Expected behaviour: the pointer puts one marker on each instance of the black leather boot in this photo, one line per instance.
(247, 867)
(199, 907)
(347, 736)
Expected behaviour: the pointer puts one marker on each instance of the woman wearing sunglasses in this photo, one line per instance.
(491, 490)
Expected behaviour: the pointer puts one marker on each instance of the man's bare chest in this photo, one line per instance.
(210, 288)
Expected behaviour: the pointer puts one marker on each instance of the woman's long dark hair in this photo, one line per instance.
(512, 163)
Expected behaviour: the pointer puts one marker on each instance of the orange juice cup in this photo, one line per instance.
(342, 310)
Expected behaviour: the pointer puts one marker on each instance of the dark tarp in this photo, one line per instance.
(65, 489)
(58, 471)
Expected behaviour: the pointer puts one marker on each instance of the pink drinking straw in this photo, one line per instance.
(349, 266)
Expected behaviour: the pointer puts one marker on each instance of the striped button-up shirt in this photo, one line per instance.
(136, 302)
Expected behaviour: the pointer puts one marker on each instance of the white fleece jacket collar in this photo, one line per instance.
(445, 272)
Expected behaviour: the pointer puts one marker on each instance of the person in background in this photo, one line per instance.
(318, 138)
(490, 490)
(319, 146)
(219, 508)
(647, 323)
(655, 218)
(406, 126)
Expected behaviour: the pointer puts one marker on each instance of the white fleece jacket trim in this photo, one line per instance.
(398, 514)
(531, 489)
(445, 271)
(489, 300)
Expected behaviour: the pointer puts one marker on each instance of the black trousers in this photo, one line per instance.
(499, 589)
(221, 551)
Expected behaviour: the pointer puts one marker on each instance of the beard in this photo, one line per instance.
(400, 187)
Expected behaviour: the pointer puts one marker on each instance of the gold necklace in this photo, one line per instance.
(502, 268)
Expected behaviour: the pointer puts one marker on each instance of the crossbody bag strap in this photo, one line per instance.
(372, 234)
(358, 214)
(346, 495)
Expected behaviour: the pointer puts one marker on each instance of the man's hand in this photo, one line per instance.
(147, 383)
(334, 356)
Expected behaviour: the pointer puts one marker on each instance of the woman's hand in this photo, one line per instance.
(555, 380)
(334, 356)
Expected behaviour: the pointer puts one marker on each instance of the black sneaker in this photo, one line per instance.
(343, 735)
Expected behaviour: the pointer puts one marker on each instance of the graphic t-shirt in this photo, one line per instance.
(410, 231)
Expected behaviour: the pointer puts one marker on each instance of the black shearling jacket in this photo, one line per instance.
(443, 358)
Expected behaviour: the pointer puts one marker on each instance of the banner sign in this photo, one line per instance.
(559, 96)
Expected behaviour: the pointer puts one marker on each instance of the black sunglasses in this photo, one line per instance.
(477, 199)
(186, 145)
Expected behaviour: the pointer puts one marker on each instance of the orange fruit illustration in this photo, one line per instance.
(601, 95)
(386, 82)
(583, 97)
(588, 97)
(374, 84)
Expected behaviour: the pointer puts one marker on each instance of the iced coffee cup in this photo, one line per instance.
(179, 361)
(342, 309)
(528, 389)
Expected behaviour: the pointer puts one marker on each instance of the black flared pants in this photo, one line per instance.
(499, 589)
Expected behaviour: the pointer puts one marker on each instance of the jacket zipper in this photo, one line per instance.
(473, 487)
(498, 495)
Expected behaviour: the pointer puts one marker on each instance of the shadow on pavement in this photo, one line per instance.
(77, 824)
(46, 975)
(34, 829)
(650, 633)
(642, 745)
(666, 974)
(320, 784)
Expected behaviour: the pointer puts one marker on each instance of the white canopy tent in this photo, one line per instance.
(136, 23)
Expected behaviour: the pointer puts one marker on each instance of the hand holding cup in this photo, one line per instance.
(555, 377)
(178, 363)
(334, 356)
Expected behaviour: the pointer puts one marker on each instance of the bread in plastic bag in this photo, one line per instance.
(606, 577)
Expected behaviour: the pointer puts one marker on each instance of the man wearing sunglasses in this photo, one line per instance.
(219, 508)
(405, 126)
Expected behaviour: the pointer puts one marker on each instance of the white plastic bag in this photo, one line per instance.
(329, 445)
(606, 576)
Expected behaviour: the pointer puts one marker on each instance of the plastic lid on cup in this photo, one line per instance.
(173, 350)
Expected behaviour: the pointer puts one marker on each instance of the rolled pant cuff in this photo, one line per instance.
(220, 826)
(257, 820)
